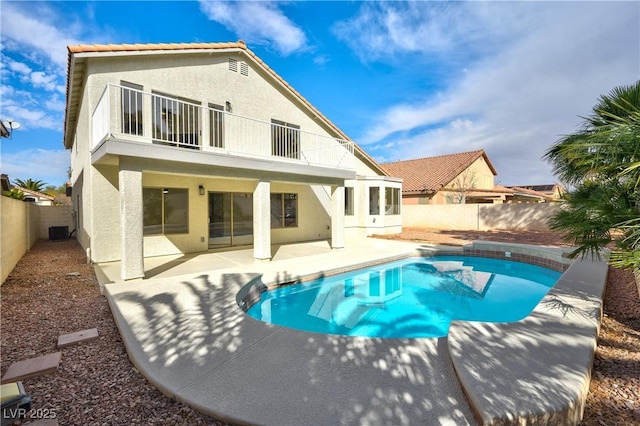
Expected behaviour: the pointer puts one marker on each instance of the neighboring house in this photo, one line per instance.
(553, 191)
(182, 148)
(38, 198)
(462, 178)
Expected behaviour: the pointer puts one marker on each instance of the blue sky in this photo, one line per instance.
(402, 79)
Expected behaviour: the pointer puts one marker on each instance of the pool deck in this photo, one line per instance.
(185, 333)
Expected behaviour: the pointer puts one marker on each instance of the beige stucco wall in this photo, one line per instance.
(314, 220)
(204, 79)
(200, 78)
(478, 175)
(313, 217)
(81, 174)
(362, 223)
(18, 232)
(480, 216)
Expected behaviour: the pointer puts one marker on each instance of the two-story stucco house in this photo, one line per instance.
(184, 148)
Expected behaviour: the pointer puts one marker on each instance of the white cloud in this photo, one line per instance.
(19, 67)
(23, 25)
(33, 118)
(55, 103)
(260, 22)
(381, 30)
(34, 50)
(49, 166)
(321, 60)
(515, 99)
(41, 79)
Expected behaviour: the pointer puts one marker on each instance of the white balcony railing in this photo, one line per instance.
(130, 114)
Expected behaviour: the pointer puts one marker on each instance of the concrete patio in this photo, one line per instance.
(184, 331)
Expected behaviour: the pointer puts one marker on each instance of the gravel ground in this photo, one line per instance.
(96, 384)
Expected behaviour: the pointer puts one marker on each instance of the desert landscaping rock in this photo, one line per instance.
(95, 383)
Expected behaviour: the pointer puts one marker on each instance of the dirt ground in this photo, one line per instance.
(53, 291)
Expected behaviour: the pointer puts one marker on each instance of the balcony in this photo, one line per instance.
(127, 114)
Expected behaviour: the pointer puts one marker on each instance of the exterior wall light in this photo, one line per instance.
(201, 189)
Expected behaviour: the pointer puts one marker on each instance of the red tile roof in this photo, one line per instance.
(35, 193)
(530, 192)
(432, 173)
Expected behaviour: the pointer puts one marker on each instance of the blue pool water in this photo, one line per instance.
(414, 297)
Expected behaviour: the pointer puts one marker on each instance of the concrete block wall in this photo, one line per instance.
(14, 235)
(54, 216)
(479, 217)
(22, 225)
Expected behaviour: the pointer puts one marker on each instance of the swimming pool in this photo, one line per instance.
(408, 298)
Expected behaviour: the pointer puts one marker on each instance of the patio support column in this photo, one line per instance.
(337, 217)
(131, 238)
(262, 221)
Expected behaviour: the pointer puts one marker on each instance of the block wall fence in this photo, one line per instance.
(22, 225)
(480, 217)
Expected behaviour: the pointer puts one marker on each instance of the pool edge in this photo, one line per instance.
(562, 329)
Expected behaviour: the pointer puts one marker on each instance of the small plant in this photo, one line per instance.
(15, 193)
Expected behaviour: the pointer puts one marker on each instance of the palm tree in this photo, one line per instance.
(602, 161)
(33, 185)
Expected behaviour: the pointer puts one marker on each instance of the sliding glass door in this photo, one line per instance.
(230, 219)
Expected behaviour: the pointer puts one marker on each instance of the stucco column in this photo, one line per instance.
(337, 217)
(131, 238)
(262, 221)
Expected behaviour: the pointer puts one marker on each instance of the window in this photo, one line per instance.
(374, 200)
(285, 139)
(284, 210)
(348, 201)
(176, 122)
(131, 95)
(392, 201)
(165, 211)
(216, 126)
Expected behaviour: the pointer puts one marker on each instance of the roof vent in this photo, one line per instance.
(233, 65)
(244, 69)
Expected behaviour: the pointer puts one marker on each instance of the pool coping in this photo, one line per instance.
(356, 379)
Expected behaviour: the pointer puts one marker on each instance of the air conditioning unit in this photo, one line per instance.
(58, 233)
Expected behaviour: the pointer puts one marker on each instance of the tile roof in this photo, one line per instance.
(432, 173)
(542, 188)
(138, 47)
(34, 193)
(75, 77)
(530, 192)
